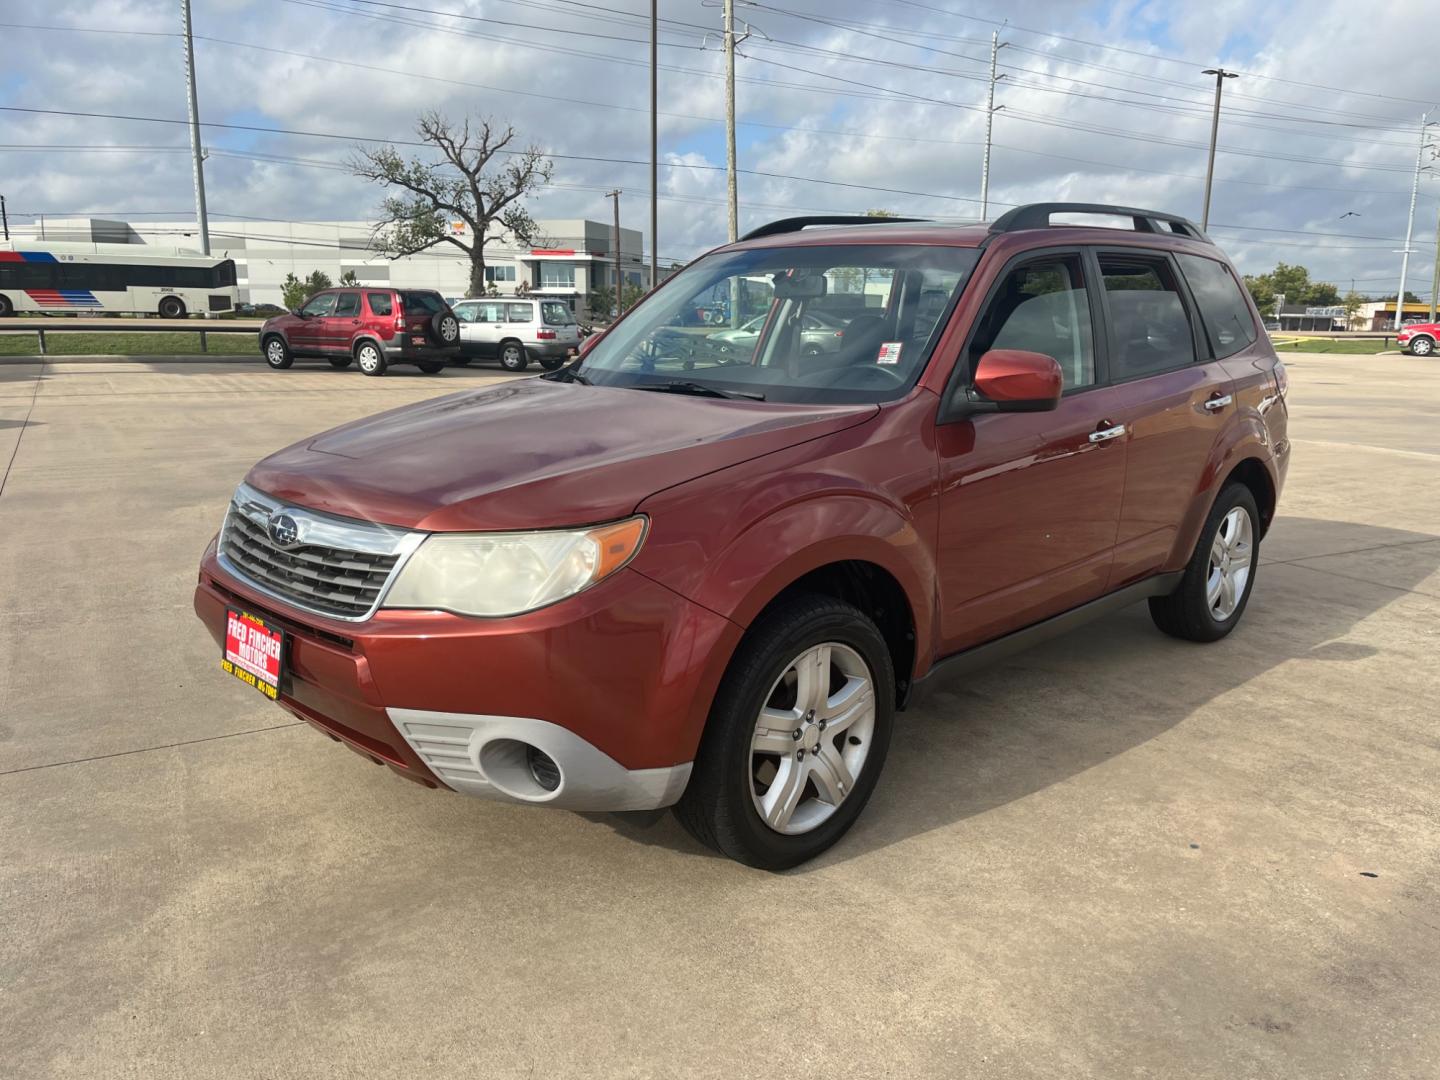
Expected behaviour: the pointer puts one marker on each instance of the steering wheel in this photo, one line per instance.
(857, 376)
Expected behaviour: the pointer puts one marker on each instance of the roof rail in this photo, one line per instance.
(1037, 216)
(795, 224)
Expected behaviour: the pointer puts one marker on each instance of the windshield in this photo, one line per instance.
(794, 324)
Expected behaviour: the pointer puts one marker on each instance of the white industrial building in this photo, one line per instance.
(569, 258)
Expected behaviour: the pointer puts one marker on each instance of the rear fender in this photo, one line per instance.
(1244, 439)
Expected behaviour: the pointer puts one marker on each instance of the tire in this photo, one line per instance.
(172, 307)
(513, 356)
(370, 358)
(430, 367)
(552, 363)
(722, 804)
(277, 354)
(1422, 346)
(340, 363)
(1195, 611)
(443, 329)
(6, 307)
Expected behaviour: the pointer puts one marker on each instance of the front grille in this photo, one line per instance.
(329, 579)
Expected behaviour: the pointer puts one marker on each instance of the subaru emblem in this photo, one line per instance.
(284, 532)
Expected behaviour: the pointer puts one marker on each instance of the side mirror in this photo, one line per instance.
(1013, 380)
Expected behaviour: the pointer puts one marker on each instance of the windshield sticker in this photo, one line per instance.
(889, 353)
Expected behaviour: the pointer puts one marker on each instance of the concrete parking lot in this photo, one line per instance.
(1116, 855)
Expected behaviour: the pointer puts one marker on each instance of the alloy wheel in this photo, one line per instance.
(275, 352)
(812, 738)
(1230, 557)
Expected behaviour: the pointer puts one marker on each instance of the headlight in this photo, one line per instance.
(510, 573)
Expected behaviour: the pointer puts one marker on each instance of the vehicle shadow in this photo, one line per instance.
(1083, 699)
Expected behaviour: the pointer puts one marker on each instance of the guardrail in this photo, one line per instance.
(73, 325)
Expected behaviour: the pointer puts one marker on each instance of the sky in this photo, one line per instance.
(843, 106)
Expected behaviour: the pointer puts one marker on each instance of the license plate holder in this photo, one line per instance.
(254, 651)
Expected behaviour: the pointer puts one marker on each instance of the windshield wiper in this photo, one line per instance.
(570, 373)
(680, 386)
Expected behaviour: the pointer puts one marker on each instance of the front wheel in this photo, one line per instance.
(1217, 583)
(1422, 346)
(512, 356)
(797, 735)
(370, 358)
(172, 307)
(277, 353)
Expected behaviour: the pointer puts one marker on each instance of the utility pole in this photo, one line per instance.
(619, 286)
(194, 105)
(1220, 76)
(1410, 223)
(4, 218)
(732, 194)
(1434, 277)
(995, 46)
(654, 144)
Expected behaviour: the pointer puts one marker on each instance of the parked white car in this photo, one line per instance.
(516, 331)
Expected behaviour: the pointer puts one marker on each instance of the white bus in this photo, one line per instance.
(94, 278)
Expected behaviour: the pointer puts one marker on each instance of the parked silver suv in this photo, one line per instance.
(515, 331)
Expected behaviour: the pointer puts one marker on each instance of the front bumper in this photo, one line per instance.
(613, 685)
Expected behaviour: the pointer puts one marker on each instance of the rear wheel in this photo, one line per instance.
(461, 361)
(277, 353)
(512, 356)
(172, 307)
(552, 363)
(796, 737)
(6, 307)
(340, 363)
(370, 358)
(1422, 346)
(1216, 586)
(431, 367)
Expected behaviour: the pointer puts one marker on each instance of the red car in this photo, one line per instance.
(715, 580)
(1418, 339)
(371, 327)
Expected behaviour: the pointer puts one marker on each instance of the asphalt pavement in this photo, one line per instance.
(1115, 855)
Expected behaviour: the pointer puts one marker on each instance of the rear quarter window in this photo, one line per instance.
(1228, 322)
(380, 303)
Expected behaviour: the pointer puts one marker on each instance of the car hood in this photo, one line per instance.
(532, 453)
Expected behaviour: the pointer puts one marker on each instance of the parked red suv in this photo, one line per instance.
(719, 575)
(372, 327)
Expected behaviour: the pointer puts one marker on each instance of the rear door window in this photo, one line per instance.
(347, 303)
(380, 303)
(1150, 329)
(1227, 318)
(521, 313)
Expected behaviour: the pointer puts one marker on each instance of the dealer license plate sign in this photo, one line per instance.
(254, 651)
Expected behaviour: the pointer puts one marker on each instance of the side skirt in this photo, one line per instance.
(991, 652)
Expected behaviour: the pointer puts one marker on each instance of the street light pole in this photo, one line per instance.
(1220, 76)
(732, 193)
(195, 152)
(1435, 276)
(1410, 222)
(654, 144)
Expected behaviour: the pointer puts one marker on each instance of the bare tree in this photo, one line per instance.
(464, 187)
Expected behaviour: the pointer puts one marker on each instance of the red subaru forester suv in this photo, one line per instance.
(720, 573)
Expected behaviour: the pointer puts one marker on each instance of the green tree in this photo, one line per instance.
(602, 300)
(349, 280)
(459, 199)
(1351, 303)
(1295, 284)
(295, 291)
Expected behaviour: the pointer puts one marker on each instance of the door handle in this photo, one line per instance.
(354, 322)
(1106, 434)
(1218, 402)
